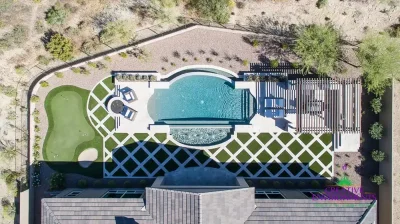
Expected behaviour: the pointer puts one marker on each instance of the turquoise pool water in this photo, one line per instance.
(201, 98)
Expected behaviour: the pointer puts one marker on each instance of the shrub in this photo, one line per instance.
(90, 46)
(295, 65)
(143, 183)
(123, 55)
(245, 62)
(59, 74)
(39, 27)
(322, 3)
(164, 69)
(44, 84)
(9, 91)
(37, 129)
(97, 183)
(209, 60)
(255, 43)
(35, 113)
(43, 60)
(378, 179)
(34, 99)
(173, 64)
(57, 181)
(76, 70)
(240, 5)
(289, 184)
(12, 115)
(18, 36)
(60, 47)
(376, 105)
(92, 64)
(378, 155)
(128, 184)
(216, 10)
(315, 184)
(376, 130)
(20, 69)
(8, 153)
(111, 184)
(9, 209)
(195, 58)
(318, 47)
(379, 56)
(263, 183)
(274, 63)
(56, 15)
(101, 66)
(107, 58)
(184, 59)
(117, 31)
(36, 120)
(250, 183)
(82, 183)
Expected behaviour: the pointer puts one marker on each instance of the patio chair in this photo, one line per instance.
(128, 95)
(129, 113)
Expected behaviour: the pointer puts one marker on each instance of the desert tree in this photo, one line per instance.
(318, 46)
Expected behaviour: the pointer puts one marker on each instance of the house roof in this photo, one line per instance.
(328, 105)
(236, 206)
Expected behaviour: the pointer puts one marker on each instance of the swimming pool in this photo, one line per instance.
(200, 98)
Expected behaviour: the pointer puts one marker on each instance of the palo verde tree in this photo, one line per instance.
(318, 47)
(379, 55)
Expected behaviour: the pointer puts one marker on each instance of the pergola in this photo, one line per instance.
(328, 105)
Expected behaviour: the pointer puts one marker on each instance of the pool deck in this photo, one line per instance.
(142, 120)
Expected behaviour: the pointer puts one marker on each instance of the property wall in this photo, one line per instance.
(385, 167)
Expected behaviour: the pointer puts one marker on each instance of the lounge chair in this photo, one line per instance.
(128, 95)
(129, 113)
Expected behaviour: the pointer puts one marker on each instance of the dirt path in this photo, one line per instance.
(33, 20)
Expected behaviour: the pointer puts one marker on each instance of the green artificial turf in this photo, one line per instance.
(100, 92)
(70, 131)
(109, 83)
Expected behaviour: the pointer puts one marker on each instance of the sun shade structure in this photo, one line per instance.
(328, 105)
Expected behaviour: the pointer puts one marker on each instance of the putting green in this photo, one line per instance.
(70, 131)
(69, 126)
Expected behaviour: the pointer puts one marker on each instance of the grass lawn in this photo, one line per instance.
(69, 131)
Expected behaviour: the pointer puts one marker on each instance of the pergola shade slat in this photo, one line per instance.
(328, 105)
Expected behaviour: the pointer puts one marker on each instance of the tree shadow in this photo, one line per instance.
(47, 36)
